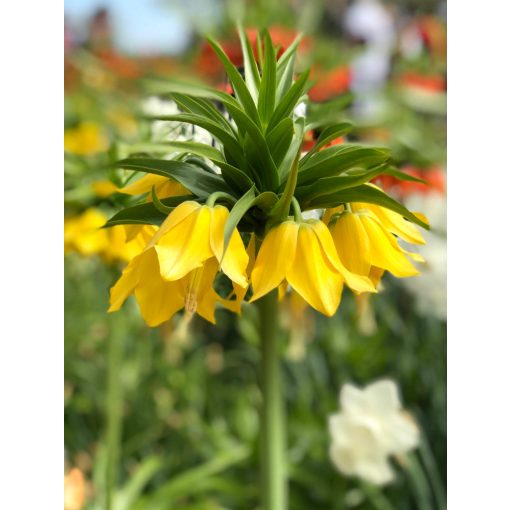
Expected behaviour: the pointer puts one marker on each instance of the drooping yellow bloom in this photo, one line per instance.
(83, 234)
(193, 233)
(393, 222)
(122, 247)
(303, 254)
(177, 267)
(104, 188)
(367, 247)
(160, 299)
(164, 187)
(86, 139)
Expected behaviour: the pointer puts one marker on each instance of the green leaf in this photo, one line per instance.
(251, 70)
(294, 149)
(195, 179)
(324, 114)
(238, 211)
(230, 144)
(196, 148)
(280, 211)
(288, 102)
(368, 194)
(243, 205)
(256, 150)
(279, 139)
(145, 214)
(338, 159)
(327, 135)
(146, 470)
(284, 80)
(202, 106)
(403, 176)
(169, 86)
(267, 93)
(182, 484)
(328, 185)
(234, 177)
(240, 88)
(287, 55)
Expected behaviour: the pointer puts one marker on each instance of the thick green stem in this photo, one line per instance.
(274, 476)
(113, 408)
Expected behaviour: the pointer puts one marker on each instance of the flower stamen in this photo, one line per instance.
(190, 299)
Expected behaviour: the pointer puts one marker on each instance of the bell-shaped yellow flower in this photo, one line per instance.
(159, 299)
(178, 266)
(83, 233)
(123, 247)
(304, 255)
(192, 234)
(394, 222)
(164, 187)
(363, 243)
(86, 139)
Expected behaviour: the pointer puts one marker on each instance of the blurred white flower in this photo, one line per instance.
(370, 427)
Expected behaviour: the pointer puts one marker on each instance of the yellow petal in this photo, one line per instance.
(125, 284)
(351, 242)
(376, 273)
(252, 254)
(384, 250)
(358, 283)
(328, 213)
(275, 256)
(236, 259)
(86, 235)
(144, 184)
(282, 290)
(132, 231)
(396, 224)
(104, 188)
(186, 246)
(158, 299)
(312, 275)
(179, 214)
(206, 295)
(170, 188)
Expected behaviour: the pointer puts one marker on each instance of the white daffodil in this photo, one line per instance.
(370, 427)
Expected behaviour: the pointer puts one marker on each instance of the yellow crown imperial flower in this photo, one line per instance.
(86, 139)
(363, 243)
(83, 234)
(192, 234)
(257, 166)
(178, 266)
(163, 187)
(159, 299)
(303, 254)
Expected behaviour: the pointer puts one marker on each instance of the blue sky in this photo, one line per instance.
(144, 26)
